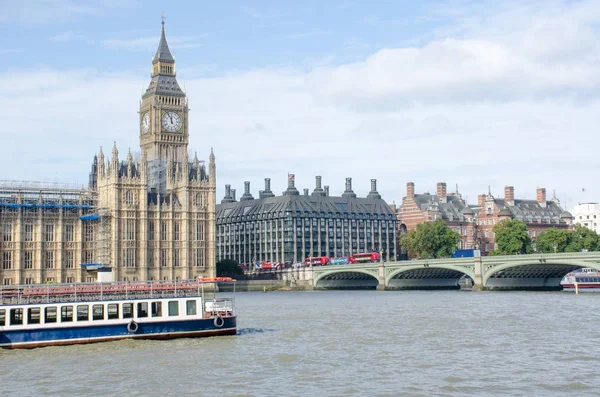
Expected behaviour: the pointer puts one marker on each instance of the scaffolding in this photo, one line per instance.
(100, 221)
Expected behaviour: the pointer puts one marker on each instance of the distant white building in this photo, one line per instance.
(588, 215)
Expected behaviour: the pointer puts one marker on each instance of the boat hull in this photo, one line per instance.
(31, 338)
(582, 285)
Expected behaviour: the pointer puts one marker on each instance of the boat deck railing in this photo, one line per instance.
(123, 290)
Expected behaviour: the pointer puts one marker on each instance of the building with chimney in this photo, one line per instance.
(449, 207)
(294, 226)
(150, 216)
(539, 214)
(475, 223)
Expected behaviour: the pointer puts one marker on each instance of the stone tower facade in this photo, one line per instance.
(162, 205)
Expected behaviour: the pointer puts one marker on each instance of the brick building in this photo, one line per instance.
(474, 223)
(450, 207)
(539, 214)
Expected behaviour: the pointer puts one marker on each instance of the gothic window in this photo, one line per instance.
(7, 260)
(28, 229)
(28, 260)
(150, 230)
(129, 229)
(49, 260)
(69, 232)
(150, 258)
(176, 230)
(163, 230)
(49, 233)
(88, 257)
(7, 233)
(490, 211)
(68, 259)
(198, 200)
(176, 258)
(89, 232)
(163, 257)
(129, 197)
(129, 257)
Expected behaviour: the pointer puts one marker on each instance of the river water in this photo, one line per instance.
(344, 343)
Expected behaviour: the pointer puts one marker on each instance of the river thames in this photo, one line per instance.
(344, 343)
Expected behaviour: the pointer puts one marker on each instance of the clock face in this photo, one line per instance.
(171, 122)
(145, 123)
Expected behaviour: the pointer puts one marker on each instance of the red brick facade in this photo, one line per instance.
(475, 223)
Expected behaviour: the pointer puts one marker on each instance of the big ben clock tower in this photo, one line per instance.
(163, 111)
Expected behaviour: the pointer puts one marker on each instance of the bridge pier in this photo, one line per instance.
(478, 279)
(381, 277)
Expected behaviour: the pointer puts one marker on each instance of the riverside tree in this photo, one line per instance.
(229, 268)
(561, 240)
(430, 240)
(512, 238)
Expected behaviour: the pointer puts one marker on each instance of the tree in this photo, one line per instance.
(553, 240)
(582, 238)
(430, 240)
(512, 237)
(229, 268)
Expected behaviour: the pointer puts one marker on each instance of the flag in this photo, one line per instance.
(583, 189)
(290, 177)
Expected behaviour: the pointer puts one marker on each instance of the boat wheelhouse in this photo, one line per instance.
(582, 278)
(65, 314)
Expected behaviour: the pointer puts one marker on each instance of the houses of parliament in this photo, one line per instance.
(146, 217)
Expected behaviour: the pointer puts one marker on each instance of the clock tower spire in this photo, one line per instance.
(163, 111)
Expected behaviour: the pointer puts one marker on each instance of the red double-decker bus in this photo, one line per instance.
(366, 257)
(316, 261)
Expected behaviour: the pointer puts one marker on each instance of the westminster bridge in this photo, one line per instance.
(511, 272)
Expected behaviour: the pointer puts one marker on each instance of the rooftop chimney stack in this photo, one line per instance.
(247, 195)
(509, 195)
(267, 192)
(227, 198)
(233, 194)
(373, 193)
(410, 190)
(306, 191)
(348, 192)
(326, 191)
(442, 192)
(481, 200)
(318, 189)
(541, 196)
(291, 190)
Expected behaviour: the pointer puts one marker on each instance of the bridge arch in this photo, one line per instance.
(531, 273)
(428, 276)
(346, 278)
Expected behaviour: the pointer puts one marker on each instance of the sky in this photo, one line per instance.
(477, 94)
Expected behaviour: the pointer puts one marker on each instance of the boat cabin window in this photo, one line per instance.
(50, 314)
(16, 316)
(113, 311)
(190, 307)
(127, 310)
(66, 314)
(142, 309)
(173, 308)
(2, 317)
(33, 315)
(98, 312)
(156, 309)
(83, 313)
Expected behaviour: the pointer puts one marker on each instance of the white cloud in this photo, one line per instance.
(515, 108)
(35, 12)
